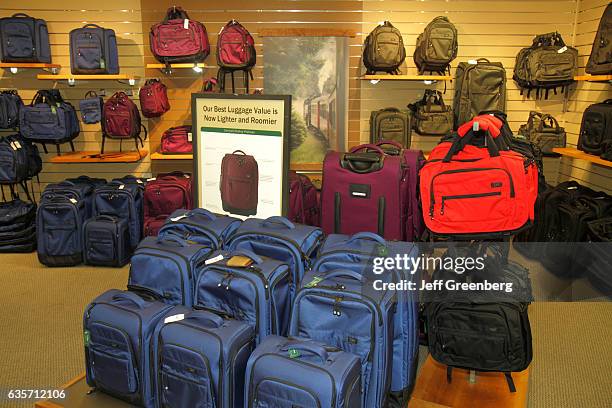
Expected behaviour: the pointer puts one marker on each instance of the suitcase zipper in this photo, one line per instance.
(466, 196)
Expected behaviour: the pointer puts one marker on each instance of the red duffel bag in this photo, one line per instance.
(176, 141)
(479, 192)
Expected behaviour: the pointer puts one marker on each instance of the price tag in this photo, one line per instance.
(562, 49)
(121, 187)
(190, 137)
(186, 24)
(213, 260)
(472, 62)
(180, 217)
(17, 144)
(152, 179)
(73, 201)
(174, 318)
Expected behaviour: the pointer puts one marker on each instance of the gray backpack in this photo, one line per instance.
(544, 131)
(384, 50)
(547, 64)
(432, 117)
(479, 87)
(600, 61)
(436, 47)
(390, 124)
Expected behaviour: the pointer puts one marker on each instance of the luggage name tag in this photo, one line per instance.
(314, 282)
(139, 181)
(239, 261)
(17, 144)
(152, 179)
(13, 146)
(121, 187)
(293, 353)
(174, 318)
(190, 137)
(562, 49)
(472, 62)
(53, 109)
(186, 24)
(102, 63)
(213, 260)
(73, 201)
(86, 338)
(180, 217)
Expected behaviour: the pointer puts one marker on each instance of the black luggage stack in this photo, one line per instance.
(17, 226)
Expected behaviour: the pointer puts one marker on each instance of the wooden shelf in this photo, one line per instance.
(184, 65)
(406, 78)
(96, 157)
(593, 78)
(59, 77)
(490, 389)
(30, 65)
(578, 154)
(161, 156)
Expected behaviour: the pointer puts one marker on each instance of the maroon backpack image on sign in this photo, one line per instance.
(153, 99)
(235, 52)
(239, 183)
(163, 195)
(121, 120)
(179, 39)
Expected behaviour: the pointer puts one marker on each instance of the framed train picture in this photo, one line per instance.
(312, 67)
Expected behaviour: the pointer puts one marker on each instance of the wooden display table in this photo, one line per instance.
(77, 397)
(489, 391)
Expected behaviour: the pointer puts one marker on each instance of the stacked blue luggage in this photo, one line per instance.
(260, 313)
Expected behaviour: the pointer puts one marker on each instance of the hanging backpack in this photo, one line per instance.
(91, 107)
(390, 124)
(384, 50)
(596, 128)
(479, 87)
(235, 52)
(10, 105)
(544, 131)
(121, 120)
(436, 47)
(93, 50)
(304, 207)
(547, 64)
(431, 116)
(600, 60)
(179, 39)
(24, 39)
(48, 119)
(153, 99)
(177, 140)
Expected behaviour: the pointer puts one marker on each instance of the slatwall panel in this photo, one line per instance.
(586, 93)
(124, 17)
(254, 15)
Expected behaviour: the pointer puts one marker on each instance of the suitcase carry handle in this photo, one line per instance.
(553, 123)
(461, 142)
(208, 318)
(106, 217)
(485, 122)
(390, 142)
(278, 220)
(367, 146)
(308, 347)
(91, 25)
(249, 254)
(201, 211)
(131, 297)
(367, 236)
(172, 238)
(92, 94)
(345, 273)
(239, 151)
(21, 15)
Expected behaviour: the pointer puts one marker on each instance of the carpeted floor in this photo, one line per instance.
(41, 343)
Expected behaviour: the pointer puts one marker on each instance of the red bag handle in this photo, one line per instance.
(487, 123)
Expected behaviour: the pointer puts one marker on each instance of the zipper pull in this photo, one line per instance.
(431, 210)
(442, 208)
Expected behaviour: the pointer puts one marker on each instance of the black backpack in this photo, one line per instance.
(384, 50)
(10, 104)
(600, 61)
(596, 129)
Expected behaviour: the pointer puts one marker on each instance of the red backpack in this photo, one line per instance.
(153, 99)
(163, 195)
(303, 200)
(176, 140)
(121, 120)
(235, 52)
(179, 39)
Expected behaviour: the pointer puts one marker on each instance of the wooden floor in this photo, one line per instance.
(489, 391)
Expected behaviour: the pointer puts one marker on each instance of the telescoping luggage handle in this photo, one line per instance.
(131, 297)
(278, 220)
(307, 346)
(487, 124)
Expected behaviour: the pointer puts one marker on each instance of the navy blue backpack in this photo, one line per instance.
(80, 191)
(340, 308)
(164, 268)
(106, 241)
(278, 238)
(201, 226)
(24, 39)
(121, 200)
(256, 292)
(48, 119)
(10, 105)
(200, 359)
(357, 253)
(93, 50)
(117, 331)
(302, 373)
(91, 108)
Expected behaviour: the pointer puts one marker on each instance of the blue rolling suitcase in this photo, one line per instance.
(201, 226)
(59, 223)
(200, 360)
(254, 290)
(287, 373)
(164, 268)
(106, 241)
(357, 253)
(342, 309)
(122, 200)
(279, 238)
(117, 328)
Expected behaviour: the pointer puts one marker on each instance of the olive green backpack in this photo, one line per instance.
(436, 47)
(600, 61)
(384, 50)
(390, 124)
